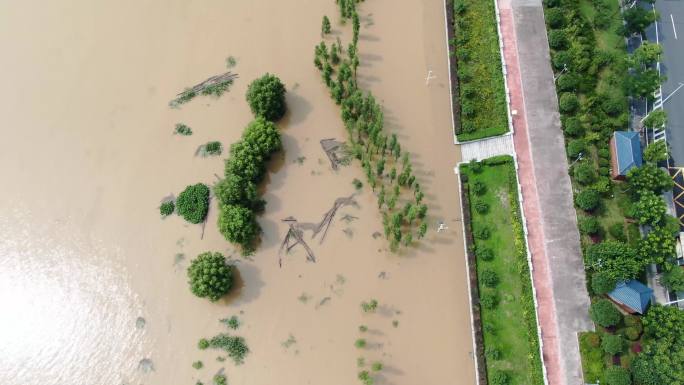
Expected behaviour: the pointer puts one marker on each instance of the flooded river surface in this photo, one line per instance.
(93, 287)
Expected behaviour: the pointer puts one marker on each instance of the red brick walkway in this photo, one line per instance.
(541, 274)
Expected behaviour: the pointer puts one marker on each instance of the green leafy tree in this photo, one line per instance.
(616, 260)
(612, 344)
(604, 313)
(658, 246)
(637, 19)
(568, 103)
(266, 97)
(648, 178)
(238, 225)
(210, 276)
(673, 279)
(646, 54)
(325, 25)
(589, 225)
(650, 209)
(576, 147)
(588, 199)
(644, 82)
(246, 161)
(193, 203)
(656, 119)
(422, 230)
(167, 208)
(584, 173)
(662, 358)
(235, 190)
(264, 136)
(656, 152)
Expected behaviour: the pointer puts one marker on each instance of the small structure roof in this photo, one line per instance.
(632, 294)
(627, 150)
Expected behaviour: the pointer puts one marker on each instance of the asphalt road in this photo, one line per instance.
(671, 37)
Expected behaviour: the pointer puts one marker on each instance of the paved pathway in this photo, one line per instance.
(558, 270)
(483, 149)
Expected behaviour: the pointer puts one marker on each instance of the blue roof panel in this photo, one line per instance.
(632, 294)
(628, 150)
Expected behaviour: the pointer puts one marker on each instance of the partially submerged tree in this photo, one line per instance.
(210, 276)
(238, 225)
(266, 97)
(193, 203)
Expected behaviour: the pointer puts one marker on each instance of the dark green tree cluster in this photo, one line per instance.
(246, 166)
(662, 359)
(210, 276)
(193, 203)
(388, 169)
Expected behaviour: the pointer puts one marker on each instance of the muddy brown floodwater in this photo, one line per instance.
(92, 282)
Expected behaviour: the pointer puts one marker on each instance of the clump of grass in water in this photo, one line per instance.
(377, 366)
(232, 322)
(213, 148)
(220, 379)
(360, 362)
(369, 307)
(184, 97)
(197, 365)
(289, 341)
(233, 345)
(366, 378)
(182, 129)
(363, 328)
(360, 343)
(217, 89)
(304, 298)
(230, 62)
(357, 184)
(203, 344)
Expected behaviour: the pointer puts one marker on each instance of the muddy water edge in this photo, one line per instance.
(93, 287)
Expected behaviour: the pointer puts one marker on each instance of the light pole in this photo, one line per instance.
(565, 68)
(579, 157)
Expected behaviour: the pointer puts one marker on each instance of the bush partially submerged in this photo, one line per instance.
(266, 97)
(210, 276)
(238, 225)
(167, 208)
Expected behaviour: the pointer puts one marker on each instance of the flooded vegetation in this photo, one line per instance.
(95, 285)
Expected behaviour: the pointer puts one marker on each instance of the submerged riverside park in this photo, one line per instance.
(94, 285)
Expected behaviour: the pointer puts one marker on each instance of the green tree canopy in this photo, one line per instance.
(588, 199)
(662, 360)
(646, 54)
(650, 209)
(616, 375)
(266, 97)
(238, 225)
(245, 161)
(210, 276)
(658, 246)
(602, 283)
(193, 203)
(656, 152)
(264, 136)
(648, 178)
(615, 260)
(325, 25)
(235, 190)
(644, 82)
(637, 19)
(656, 119)
(604, 313)
(612, 344)
(673, 279)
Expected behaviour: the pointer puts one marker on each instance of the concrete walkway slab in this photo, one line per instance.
(486, 148)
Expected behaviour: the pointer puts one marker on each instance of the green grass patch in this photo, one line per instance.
(593, 360)
(509, 324)
(482, 94)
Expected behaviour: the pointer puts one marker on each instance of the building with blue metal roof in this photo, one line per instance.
(632, 296)
(625, 151)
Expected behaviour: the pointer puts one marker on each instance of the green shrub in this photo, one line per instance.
(613, 105)
(648, 178)
(238, 225)
(481, 206)
(584, 173)
(656, 152)
(589, 225)
(560, 59)
(233, 345)
(492, 353)
(604, 313)
(576, 147)
(489, 301)
(650, 209)
(617, 231)
(484, 253)
(603, 162)
(602, 283)
(479, 188)
(573, 127)
(568, 103)
(266, 97)
(593, 339)
(632, 333)
(499, 378)
(552, 3)
(555, 18)
(475, 166)
(588, 199)
(360, 343)
(489, 278)
(558, 39)
(182, 129)
(612, 344)
(673, 280)
(567, 82)
(202, 344)
(656, 119)
(167, 208)
(220, 379)
(604, 153)
(634, 321)
(193, 203)
(616, 375)
(246, 160)
(210, 276)
(604, 171)
(213, 148)
(197, 365)
(482, 233)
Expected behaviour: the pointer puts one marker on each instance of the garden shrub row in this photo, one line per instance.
(483, 110)
(506, 303)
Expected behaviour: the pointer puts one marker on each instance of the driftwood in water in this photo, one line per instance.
(324, 224)
(294, 237)
(331, 148)
(214, 85)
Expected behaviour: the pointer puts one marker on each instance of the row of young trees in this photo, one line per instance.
(388, 169)
(245, 167)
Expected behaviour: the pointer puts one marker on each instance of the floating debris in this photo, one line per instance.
(304, 298)
(215, 85)
(140, 323)
(323, 302)
(289, 342)
(336, 152)
(146, 365)
(294, 237)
